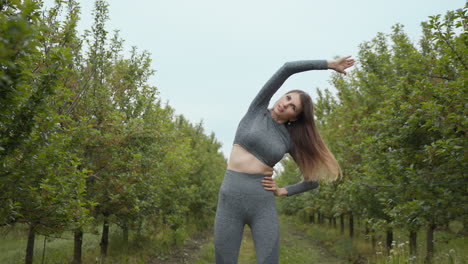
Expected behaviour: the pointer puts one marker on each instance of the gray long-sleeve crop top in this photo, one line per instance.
(262, 136)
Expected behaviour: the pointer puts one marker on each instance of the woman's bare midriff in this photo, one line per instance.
(242, 160)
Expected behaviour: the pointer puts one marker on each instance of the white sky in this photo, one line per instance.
(213, 56)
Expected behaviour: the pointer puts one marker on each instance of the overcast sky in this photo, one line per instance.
(212, 56)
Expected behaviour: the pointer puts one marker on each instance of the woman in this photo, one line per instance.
(263, 137)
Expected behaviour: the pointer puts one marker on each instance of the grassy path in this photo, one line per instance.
(295, 247)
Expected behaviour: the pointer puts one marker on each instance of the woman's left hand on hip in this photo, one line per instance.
(269, 184)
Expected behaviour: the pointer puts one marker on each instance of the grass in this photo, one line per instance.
(206, 254)
(300, 242)
(295, 247)
(450, 247)
(141, 249)
(57, 250)
(298, 247)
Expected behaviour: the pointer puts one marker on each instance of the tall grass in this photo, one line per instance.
(58, 249)
(450, 247)
(142, 247)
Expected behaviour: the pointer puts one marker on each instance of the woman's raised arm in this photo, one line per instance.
(282, 74)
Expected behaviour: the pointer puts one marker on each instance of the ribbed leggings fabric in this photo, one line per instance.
(243, 200)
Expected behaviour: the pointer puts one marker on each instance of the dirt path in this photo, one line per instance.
(295, 247)
(187, 253)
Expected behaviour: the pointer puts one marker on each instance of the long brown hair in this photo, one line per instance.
(309, 151)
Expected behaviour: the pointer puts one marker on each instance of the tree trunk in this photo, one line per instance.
(430, 243)
(139, 229)
(351, 225)
(342, 223)
(105, 238)
(78, 242)
(330, 221)
(125, 236)
(30, 246)
(357, 222)
(334, 222)
(367, 231)
(312, 218)
(412, 243)
(374, 241)
(44, 249)
(389, 239)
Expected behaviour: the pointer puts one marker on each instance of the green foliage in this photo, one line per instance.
(396, 127)
(41, 183)
(84, 136)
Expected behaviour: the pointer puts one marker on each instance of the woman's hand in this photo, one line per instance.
(341, 64)
(269, 184)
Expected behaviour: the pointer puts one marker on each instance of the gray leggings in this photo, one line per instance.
(242, 200)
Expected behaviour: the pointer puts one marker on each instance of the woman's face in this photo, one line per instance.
(288, 107)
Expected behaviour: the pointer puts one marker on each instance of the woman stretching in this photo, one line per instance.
(263, 137)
